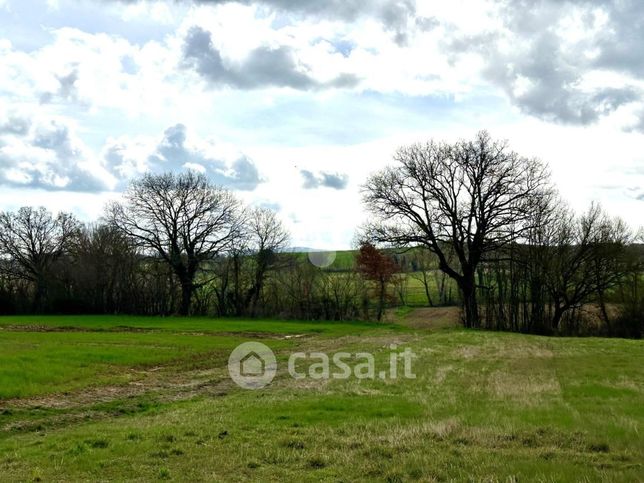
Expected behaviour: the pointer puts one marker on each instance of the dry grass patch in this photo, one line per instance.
(442, 372)
(433, 318)
(467, 352)
(522, 388)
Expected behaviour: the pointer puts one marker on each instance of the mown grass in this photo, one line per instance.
(483, 406)
(40, 355)
(186, 324)
(35, 363)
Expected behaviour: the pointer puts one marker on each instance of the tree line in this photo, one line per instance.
(175, 244)
(497, 227)
(473, 215)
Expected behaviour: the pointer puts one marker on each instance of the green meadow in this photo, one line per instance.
(139, 398)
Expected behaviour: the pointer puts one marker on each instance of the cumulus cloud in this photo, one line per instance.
(14, 124)
(571, 62)
(92, 71)
(312, 180)
(176, 151)
(66, 88)
(263, 66)
(624, 33)
(48, 156)
(576, 62)
(638, 125)
(394, 15)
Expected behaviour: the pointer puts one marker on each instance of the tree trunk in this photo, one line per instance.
(255, 292)
(604, 312)
(557, 316)
(40, 295)
(381, 300)
(186, 296)
(239, 302)
(426, 285)
(468, 289)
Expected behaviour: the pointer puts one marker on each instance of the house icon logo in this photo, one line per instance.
(252, 365)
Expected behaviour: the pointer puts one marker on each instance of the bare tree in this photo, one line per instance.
(267, 237)
(183, 219)
(105, 266)
(31, 240)
(586, 259)
(471, 197)
(229, 273)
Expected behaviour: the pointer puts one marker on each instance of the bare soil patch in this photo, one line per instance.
(432, 318)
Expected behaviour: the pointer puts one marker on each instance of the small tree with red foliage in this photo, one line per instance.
(376, 266)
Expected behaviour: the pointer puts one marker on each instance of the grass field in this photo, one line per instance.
(135, 398)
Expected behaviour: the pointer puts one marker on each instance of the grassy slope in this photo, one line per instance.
(484, 405)
(39, 355)
(181, 324)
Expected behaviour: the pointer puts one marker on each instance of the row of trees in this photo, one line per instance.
(170, 232)
(567, 263)
(175, 244)
(474, 213)
(499, 230)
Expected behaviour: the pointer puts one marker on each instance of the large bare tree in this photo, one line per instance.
(182, 218)
(31, 240)
(471, 198)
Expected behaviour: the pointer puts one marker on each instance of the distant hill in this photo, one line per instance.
(302, 250)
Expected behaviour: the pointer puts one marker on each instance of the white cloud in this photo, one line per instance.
(560, 80)
(45, 152)
(157, 12)
(177, 149)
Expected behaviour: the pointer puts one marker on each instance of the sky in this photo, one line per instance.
(292, 104)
